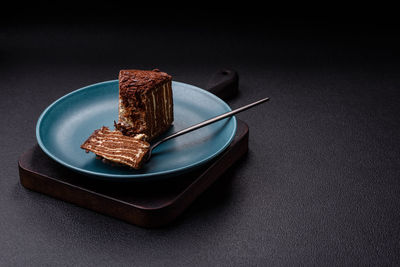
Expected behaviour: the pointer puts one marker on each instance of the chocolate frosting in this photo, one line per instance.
(133, 82)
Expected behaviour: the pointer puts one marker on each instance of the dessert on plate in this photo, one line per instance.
(145, 110)
(145, 103)
(115, 147)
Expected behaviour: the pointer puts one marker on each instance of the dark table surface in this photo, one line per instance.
(320, 184)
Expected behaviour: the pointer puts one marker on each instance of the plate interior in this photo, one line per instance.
(69, 121)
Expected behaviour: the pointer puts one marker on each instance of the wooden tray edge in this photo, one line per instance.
(126, 211)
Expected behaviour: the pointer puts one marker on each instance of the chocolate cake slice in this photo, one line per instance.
(115, 147)
(145, 103)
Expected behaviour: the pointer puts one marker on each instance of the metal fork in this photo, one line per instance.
(204, 123)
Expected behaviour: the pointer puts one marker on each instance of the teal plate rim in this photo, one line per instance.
(166, 173)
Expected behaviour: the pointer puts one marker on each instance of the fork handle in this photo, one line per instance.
(212, 120)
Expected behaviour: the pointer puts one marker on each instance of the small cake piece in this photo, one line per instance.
(114, 146)
(145, 103)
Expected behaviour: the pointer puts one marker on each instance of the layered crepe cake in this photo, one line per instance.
(145, 103)
(145, 111)
(115, 147)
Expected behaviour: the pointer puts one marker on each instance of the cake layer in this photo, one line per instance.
(114, 146)
(145, 103)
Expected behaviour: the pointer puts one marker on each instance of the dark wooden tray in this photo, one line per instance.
(147, 204)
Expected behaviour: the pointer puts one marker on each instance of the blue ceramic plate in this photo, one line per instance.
(70, 120)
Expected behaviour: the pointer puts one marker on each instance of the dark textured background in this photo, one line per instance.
(320, 184)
